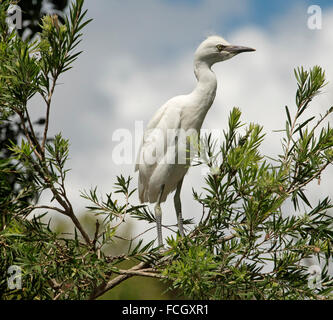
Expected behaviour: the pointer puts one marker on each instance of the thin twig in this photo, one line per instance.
(310, 179)
(26, 133)
(140, 273)
(48, 107)
(32, 131)
(48, 208)
(96, 233)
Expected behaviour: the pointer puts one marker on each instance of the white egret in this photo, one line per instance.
(160, 170)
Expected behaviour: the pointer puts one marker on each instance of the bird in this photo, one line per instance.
(161, 169)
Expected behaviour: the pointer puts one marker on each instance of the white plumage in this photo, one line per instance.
(163, 159)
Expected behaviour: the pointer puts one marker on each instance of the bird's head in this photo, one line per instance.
(215, 49)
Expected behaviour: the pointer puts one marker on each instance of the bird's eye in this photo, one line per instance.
(220, 47)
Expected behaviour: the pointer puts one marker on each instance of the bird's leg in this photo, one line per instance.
(178, 208)
(158, 216)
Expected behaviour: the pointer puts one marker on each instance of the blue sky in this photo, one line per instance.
(261, 11)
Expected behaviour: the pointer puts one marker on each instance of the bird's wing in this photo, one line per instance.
(155, 146)
(153, 123)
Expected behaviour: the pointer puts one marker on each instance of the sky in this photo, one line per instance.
(139, 54)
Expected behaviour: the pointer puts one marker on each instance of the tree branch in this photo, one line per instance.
(101, 289)
(48, 208)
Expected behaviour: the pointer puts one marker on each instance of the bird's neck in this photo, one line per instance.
(205, 90)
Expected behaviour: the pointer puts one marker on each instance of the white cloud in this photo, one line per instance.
(127, 72)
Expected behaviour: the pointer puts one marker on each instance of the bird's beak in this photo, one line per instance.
(238, 49)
